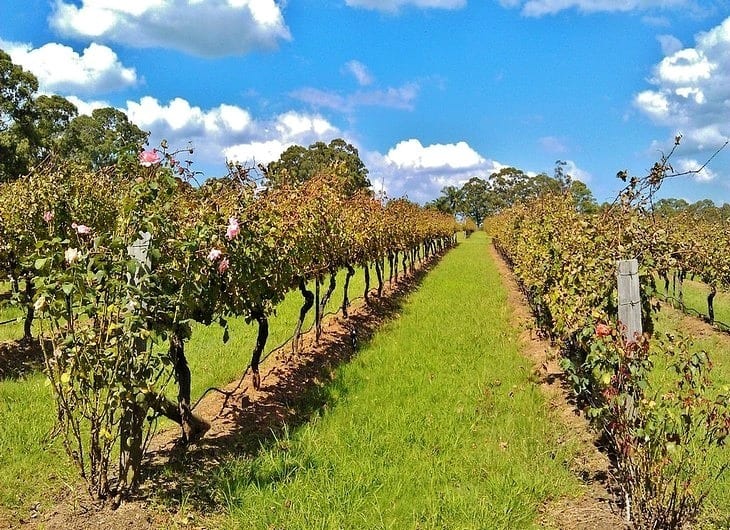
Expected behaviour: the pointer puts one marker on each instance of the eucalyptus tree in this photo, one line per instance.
(299, 164)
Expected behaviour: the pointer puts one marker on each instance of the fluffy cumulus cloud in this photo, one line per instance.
(227, 132)
(60, 69)
(414, 156)
(87, 106)
(275, 136)
(202, 27)
(394, 6)
(421, 171)
(691, 90)
(538, 8)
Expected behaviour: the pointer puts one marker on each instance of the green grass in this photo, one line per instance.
(31, 466)
(695, 297)
(717, 345)
(435, 424)
(10, 330)
(33, 469)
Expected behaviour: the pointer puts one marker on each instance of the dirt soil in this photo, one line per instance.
(595, 508)
(179, 488)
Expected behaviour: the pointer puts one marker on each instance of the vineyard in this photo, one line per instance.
(110, 267)
(115, 275)
(663, 415)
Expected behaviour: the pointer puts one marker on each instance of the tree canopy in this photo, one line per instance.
(19, 138)
(105, 138)
(479, 198)
(34, 125)
(299, 164)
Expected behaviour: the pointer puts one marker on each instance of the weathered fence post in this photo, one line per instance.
(629, 299)
(139, 250)
(629, 319)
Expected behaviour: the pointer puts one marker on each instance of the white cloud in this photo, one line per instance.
(420, 172)
(227, 132)
(684, 165)
(685, 67)
(552, 144)
(538, 8)
(706, 137)
(60, 69)
(273, 137)
(208, 28)
(292, 126)
(87, 107)
(256, 152)
(393, 6)
(222, 133)
(360, 72)
(653, 103)
(577, 173)
(402, 97)
(691, 91)
(411, 154)
(670, 44)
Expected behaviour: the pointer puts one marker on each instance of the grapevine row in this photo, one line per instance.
(657, 435)
(203, 254)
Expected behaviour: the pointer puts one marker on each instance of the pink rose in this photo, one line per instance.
(602, 330)
(233, 228)
(223, 265)
(214, 254)
(81, 229)
(48, 216)
(149, 158)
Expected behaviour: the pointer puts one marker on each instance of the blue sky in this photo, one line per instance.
(432, 92)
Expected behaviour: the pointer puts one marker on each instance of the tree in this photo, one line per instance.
(105, 138)
(670, 206)
(559, 174)
(704, 208)
(511, 185)
(19, 138)
(299, 164)
(477, 200)
(54, 116)
(449, 200)
(584, 200)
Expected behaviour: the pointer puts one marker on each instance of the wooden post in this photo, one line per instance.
(629, 299)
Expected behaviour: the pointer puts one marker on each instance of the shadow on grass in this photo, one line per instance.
(303, 387)
(19, 358)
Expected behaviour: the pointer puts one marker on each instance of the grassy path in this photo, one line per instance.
(435, 424)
